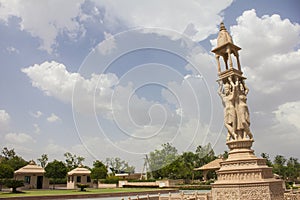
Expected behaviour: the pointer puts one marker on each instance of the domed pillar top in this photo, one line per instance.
(225, 47)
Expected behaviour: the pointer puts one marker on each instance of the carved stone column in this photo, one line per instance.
(243, 175)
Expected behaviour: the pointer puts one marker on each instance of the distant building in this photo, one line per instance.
(79, 175)
(211, 166)
(33, 176)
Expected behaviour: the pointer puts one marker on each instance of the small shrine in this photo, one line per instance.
(79, 175)
(33, 176)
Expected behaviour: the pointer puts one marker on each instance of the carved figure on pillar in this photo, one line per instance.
(228, 94)
(243, 122)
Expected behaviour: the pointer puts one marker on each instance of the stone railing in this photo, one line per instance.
(189, 196)
(292, 196)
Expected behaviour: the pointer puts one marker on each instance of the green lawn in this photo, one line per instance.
(71, 192)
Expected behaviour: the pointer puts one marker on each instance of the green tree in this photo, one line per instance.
(82, 186)
(73, 161)
(205, 154)
(117, 165)
(99, 171)
(189, 160)
(225, 155)
(56, 170)
(14, 184)
(6, 172)
(160, 160)
(292, 169)
(267, 157)
(8, 153)
(279, 166)
(10, 158)
(43, 160)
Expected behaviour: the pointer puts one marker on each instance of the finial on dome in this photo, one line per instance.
(31, 162)
(223, 37)
(222, 26)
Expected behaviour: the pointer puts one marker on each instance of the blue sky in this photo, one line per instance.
(119, 78)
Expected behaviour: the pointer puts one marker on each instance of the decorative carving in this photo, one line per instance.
(236, 112)
(242, 175)
(228, 96)
(250, 192)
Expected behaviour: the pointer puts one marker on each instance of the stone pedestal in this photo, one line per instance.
(244, 176)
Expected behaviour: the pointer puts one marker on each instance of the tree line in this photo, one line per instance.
(57, 170)
(164, 162)
(287, 168)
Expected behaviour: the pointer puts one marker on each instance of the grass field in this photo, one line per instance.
(71, 192)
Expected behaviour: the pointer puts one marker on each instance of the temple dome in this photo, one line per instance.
(223, 37)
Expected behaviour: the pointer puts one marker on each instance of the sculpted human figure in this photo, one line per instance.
(243, 111)
(228, 100)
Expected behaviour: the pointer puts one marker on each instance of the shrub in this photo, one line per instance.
(288, 185)
(14, 184)
(137, 180)
(58, 181)
(111, 179)
(209, 182)
(82, 186)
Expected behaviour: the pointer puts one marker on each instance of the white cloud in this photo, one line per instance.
(54, 150)
(53, 118)
(19, 138)
(45, 20)
(4, 117)
(284, 131)
(12, 49)
(271, 54)
(288, 114)
(147, 123)
(195, 19)
(4, 121)
(37, 129)
(54, 80)
(37, 114)
(108, 45)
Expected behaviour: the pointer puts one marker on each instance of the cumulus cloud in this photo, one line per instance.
(54, 150)
(4, 120)
(18, 138)
(284, 131)
(131, 119)
(108, 45)
(195, 19)
(270, 47)
(288, 114)
(53, 118)
(54, 80)
(45, 20)
(4, 117)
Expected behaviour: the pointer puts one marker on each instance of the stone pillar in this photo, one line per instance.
(242, 176)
